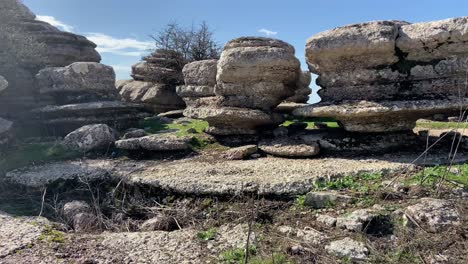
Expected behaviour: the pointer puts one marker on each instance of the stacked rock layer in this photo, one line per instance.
(382, 76)
(154, 82)
(55, 81)
(29, 45)
(253, 75)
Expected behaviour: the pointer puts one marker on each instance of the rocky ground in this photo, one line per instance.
(201, 207)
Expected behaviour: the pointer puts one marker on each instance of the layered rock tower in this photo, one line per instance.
(55, 81)
(382, 76)
(253, 75)
(154, 82)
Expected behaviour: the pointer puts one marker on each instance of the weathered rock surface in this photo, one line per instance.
(237, 94)
(161, 142)
(6, 128)
(162, 223)
(91, 137)
(301, 95)
(348, 248)
(154, 82)
(433, 215)
(325, 199)
(356, 220)
(19, 232)
(62, 119)
(29, 45)
(382, 76)
(287, 147)
(265, 176)
(78, 82)
(3, 83)
(240, 153)
(134, 133)
(311, 236)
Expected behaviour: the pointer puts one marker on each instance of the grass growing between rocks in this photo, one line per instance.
(193, 128)
(430, 176)
(35, 153)
(331, 123)
(441, 125)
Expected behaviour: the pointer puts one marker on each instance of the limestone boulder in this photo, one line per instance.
(240, 153)
(201, 73)
(382, 76)
(77, 82)
(348, 47)
(91, 137)
(302, 92)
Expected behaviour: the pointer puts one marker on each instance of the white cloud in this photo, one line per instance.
(120, 46)
(56, 23)
(268, 32)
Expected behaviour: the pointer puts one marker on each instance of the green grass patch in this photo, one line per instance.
(210, 234)
(363, 183)
(35, 153)
(432, 175)
(236, 256)
(441, 125)
(51, 235)
(154, 126)
(331, 123)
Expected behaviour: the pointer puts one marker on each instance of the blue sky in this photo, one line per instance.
(121, 28)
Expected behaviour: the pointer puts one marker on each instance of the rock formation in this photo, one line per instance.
(55, 81)
(5, 131)
(29, 45)
(154, 82)
(301, 95)
(382, 76)
(253, 76)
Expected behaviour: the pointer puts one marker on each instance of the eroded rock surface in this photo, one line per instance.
(154, 82)
(382, 76)
(348, 248)
(434, 215)
(91, 137)
(162, 142)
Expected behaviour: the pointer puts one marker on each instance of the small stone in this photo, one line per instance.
(134, 133)
(286, 230)
(240, 153)
(84, 222)
(162, 223)
(311, 236)
(327, 220)
(348, 248)
(355, 221)
(325, 199)
(73, 208)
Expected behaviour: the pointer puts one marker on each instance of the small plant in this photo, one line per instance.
(300, 202)
(210, 234)
(236, 256)
(51, 235)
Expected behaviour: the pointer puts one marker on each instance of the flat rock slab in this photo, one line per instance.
(19, 232)
(180, 246)
(265, 176)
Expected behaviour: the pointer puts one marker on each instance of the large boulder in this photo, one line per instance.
(154, 82)
(237, 94)
(91, 137)
(29, 45)
(383, 76)
(77, 82)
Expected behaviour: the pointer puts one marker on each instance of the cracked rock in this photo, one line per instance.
(348, 248)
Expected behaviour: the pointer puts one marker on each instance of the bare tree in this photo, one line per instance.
(193, 43)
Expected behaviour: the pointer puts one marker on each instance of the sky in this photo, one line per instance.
(122, 28)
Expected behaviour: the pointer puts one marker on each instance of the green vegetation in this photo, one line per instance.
(210, 234)
(432, 175)
(34, 153)
(51, 235)
(192, 129)
(363, 183)
(154, 126)
(237, 256)
(441, 125)
(331, 123)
